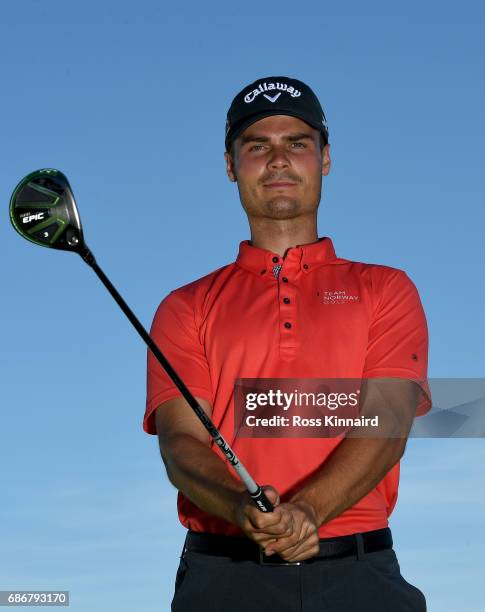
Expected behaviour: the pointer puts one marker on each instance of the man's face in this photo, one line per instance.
(278, 165)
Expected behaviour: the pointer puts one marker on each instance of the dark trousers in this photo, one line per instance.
(360, 583)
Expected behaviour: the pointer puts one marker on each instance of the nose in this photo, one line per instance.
(278, 157)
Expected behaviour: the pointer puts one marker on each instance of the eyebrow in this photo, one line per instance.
(290, 138)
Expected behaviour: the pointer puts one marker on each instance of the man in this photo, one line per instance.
(288, 308)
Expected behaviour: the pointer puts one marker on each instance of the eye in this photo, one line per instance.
(297, 145)
(256, 147)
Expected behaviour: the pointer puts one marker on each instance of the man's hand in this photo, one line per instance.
(264, 527)
(303, 542)
(290, 530)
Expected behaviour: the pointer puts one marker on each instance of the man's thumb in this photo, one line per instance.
(272, 494)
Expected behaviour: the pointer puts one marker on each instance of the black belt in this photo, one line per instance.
(244, 549)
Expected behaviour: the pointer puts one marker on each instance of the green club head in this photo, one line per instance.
(43, 210)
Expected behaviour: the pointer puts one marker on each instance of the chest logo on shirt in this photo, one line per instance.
(338, 296)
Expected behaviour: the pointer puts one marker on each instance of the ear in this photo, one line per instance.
(326, 161)
(230, 167)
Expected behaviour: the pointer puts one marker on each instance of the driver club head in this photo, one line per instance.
(43, 210)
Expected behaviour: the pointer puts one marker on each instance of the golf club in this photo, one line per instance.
(43, 210)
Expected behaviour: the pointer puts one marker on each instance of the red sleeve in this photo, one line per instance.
(398, 336)
(175, 332)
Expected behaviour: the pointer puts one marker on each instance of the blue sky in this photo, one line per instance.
(129, 100)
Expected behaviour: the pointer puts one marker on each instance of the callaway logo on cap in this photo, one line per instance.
(274, 96)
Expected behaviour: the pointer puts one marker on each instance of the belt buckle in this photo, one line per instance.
(263, 560)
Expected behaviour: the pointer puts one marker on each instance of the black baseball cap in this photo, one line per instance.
(274, 96)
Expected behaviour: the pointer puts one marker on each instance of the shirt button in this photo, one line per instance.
(305, 266)
(275, 259)
(284, 279)
(286, 300)
(287, 325)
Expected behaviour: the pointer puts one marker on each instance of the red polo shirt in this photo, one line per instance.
(318, 316)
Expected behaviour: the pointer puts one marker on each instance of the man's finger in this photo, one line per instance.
(306, 547)
(264, 539)
(291, 540)
(305, 552)
(276, 522)
(272, 494)
(289, 545)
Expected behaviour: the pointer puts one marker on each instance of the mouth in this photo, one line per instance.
(279, 184)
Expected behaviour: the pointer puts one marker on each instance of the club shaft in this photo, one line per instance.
(253, 488)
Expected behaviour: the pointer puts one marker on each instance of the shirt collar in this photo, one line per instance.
(306, 256)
